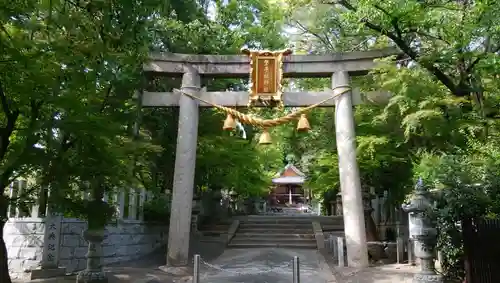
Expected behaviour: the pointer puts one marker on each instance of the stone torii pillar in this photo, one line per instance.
(350, 184)
(185, 161)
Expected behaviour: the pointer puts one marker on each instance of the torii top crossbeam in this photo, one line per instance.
(237, 66)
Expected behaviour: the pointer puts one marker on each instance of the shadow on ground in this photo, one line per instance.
(390, 273)
(145, 270)
(266, 265)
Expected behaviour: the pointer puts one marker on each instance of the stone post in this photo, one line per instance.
(399, 237)
(185, 158)
(350, 184)
(424, 233)
(132, 204)
(121, 204)
(338, 205)
(376, 209)
(367, 202)
(11, 211)
(142, 201)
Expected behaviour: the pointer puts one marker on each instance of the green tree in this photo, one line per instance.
(232, 25)
(444, 91)
(68, 72)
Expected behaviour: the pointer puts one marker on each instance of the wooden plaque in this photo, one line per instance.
(266, 73)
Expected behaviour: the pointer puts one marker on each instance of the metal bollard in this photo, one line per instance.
(196, 269)
(296, 270)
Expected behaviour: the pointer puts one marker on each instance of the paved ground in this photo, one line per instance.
(272, 265)
(266, 265)
(390, 273)
(377, 273)
(145, 270)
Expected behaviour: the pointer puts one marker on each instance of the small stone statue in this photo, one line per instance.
(424, 234)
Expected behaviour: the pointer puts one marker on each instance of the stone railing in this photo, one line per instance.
(384, 215)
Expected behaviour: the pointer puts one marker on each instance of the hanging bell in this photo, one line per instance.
(229, 123)
(265, 137)
(303, 124)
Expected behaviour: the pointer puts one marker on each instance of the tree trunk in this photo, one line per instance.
(375, 250)
(371, 229)
(4, 262)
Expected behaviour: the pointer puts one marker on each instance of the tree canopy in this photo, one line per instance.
(441, 122)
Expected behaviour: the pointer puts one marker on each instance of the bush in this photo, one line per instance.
(469, 188)
(157, 209)
(97, 213)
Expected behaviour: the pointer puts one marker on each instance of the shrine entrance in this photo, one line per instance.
(288, 193)
(266, 70)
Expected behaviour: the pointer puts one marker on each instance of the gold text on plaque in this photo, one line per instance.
(266, 74)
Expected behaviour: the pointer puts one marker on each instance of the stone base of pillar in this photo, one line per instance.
(427, 278)
(44, 273)
(176, 270)
(89, 276)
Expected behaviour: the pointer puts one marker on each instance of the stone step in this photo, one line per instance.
(214, 227)
(208, 239)
(252, 244)
(319, 218)
(274, 230)
(212, 233)
(275, 235)
(278, 221)
(265, 239)
(335, 227)
(275, 225)
(294, 221)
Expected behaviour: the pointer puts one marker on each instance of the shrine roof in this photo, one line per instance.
(289, 175)
(289, 180)
(290, 168)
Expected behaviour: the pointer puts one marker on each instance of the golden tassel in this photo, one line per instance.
(265, 137)
(303, 124)
(229, 123)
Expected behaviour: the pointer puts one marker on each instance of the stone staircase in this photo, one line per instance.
(214, 232)
(259, 231)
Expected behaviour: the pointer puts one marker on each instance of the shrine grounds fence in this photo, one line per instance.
(482, 250)
(38, 240)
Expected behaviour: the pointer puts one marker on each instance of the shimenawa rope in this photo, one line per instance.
(266, 123)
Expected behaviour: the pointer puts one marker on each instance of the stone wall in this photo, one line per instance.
(24, 239)
(125, 240)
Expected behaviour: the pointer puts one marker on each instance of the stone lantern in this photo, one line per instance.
(424, 233)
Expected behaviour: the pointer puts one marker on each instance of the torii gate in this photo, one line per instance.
(338, 66)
